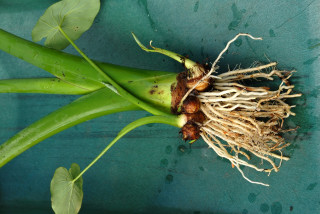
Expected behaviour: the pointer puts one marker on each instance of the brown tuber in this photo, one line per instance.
(198, 117)
(195, 74)
(190, 131)
(202, 86)
(191, 105)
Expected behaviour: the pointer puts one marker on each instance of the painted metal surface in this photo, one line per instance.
(152, 169)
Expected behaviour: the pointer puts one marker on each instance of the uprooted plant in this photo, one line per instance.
(234, 119)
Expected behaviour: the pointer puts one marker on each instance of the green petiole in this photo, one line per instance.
(96, 104)
(173, 120)
(189, 64)
(120, 90)
(45, 86)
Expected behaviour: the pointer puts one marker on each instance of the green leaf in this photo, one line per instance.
(44, 85)
(93, 105)
(66, 194)
(74, 17)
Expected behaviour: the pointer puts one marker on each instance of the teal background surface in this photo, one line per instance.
(151, 170)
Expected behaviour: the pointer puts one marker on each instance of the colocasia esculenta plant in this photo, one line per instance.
(234, 119)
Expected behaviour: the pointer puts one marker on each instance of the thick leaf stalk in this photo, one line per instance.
(75, 76)
(153, 87)
(96, 104)
(41, 85)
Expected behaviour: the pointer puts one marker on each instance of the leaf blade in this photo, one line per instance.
(73, 17)
(66, 194)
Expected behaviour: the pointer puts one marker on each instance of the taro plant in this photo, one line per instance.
(234, 119)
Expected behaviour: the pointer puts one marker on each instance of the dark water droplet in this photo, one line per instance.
(164, 162)
(168, 149)
(201, 168)
(201, 51)
(196, 7)
(312, 186)
(310, 61)
(291, 148)
(237, 16)
(264, 207)
(144, 3)
(169, 179)
(313, 43)
(276, 208)
(291, 208)
(246, 25)
(252, 197)
(150, 124)
(244, 211)
(271, 33)
(233, 25)
(182, 149)
(223, 159)
(238, 42)
(196, 212)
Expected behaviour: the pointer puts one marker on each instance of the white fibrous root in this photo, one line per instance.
(242, 121)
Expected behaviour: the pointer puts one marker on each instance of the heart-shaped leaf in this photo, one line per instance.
(66, 194)
(74, 17)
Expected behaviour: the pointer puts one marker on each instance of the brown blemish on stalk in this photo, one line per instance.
(153, 90)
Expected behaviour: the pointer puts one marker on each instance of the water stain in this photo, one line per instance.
(271, 33)
(196, 7)
(164, 162)
(150, 125)
(291, 208)
(238, 42)
(276, 208)
(223, 159)
(237, 16)
(310, 61)
(245, 211)
(312, 186)
(201, 168)
(246, 25)
(182, 150)
(215, 26)
(315, 92)
(201, 51)
(97, 20)
(313, 43)
(252, 197)
(169, 179)
(168, 149)
(264, 207)
(291, 148)
(144, 3)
